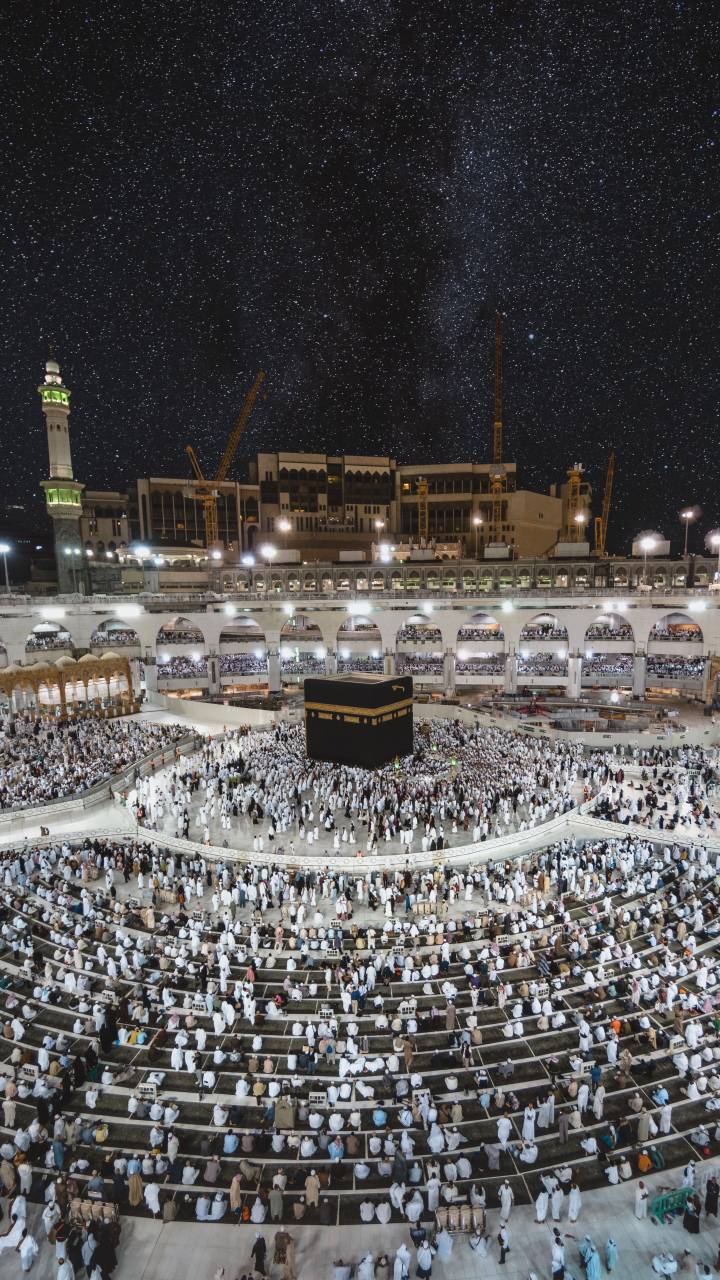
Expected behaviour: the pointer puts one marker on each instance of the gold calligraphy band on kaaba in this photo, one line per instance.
(358, 711)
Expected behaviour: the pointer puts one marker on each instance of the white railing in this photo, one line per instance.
(577, 822)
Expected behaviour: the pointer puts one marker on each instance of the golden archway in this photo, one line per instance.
(86, 674)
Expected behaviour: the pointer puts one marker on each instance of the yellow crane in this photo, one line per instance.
(206, 489)
(497, 422)
(498, 480)
(601, 522)
(574, 511)
(423, 521)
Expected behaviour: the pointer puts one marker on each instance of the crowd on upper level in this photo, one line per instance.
(242, 664)
(541, 664)
(491, 664)
(419, 664)
(39, 641)
(609, 631)
(417, 633)
(178, 635)
(669, 668)
(608, 664)
(117, 638)
(359, 662)
(676, 631)
(181, 667)
(483, 631)
(543, 631)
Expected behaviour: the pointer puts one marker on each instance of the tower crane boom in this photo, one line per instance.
(601, 522)
(207, 489)
(240, 425)
(497, 422)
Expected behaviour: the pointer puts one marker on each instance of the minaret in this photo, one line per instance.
(63, 494)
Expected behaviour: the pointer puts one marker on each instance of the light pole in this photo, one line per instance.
(714, 541)
(4, 552)
(141, 553)
(687, 516)
(267, 552)
(477, 521)
(580, 520)
(71, 551)
(646, 544)
(284, 526)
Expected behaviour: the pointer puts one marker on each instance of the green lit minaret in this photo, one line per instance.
(63, 494)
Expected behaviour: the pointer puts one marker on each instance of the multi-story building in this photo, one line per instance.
(167, 513)
(321, 500)
(104, 524)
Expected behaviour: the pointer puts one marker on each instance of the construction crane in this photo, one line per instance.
(423, 522)
(498, 478)
(497, 422)
(601, 522)
(574, 510)
(497, 490)
(207, 490)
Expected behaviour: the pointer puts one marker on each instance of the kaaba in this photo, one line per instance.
(361, 720)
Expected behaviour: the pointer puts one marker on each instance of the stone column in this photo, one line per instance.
(330, 663)
(151, 683)
(213, 667)
(449, 671)
(274, 677)
(389, 663)
(574, 676)
(511, 673)
(639, 675)
(135, 678)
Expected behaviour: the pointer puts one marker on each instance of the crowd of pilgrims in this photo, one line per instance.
(479, 664)
(43, 640)
(182, 667)
(412, 633)
(462, 783)
(483, 631)
(608, 631)
(541, 664)
(671, 791)
(175, 635)
(42, 760)
(360, 662)
(543, 631)
(666, 667)
(608, 664)
(63, 1140)
(242, 664)
(114, 638)
(419, 664)
(303, 663)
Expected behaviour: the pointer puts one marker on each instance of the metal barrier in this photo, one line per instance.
(670, 1202)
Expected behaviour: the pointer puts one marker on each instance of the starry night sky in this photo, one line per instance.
(342, 194)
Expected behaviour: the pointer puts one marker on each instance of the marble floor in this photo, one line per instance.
(193, 1251)
(241, 833)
